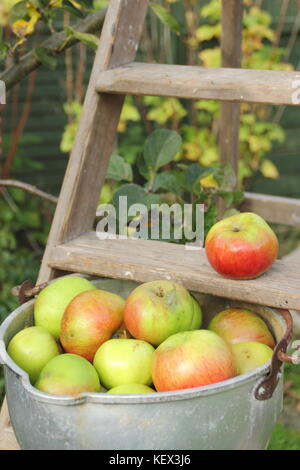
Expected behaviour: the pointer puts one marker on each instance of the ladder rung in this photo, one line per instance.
(279, 287)
(225, 84)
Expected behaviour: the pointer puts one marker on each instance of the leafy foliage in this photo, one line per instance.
(284, 438)
(24, 226)
(198, 122)
(163, 179)
(23, 17)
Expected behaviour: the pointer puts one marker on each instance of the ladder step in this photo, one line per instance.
(225, 84)
(144, 260)
(275, 209)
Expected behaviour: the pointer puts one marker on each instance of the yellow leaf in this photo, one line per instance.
(192, 151)
(210, 57)
(56, 3)
(34, 15)
(208, 181)
(21, 28)
(269, 170)
(76, 4)
(210, 156)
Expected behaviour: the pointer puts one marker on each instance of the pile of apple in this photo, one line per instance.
(85, 338)
(81, 340)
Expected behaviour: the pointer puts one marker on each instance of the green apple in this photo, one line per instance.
(124, 361)
(51, 302)
(68, 374)
(31, 349)
(250, 355)
(131, 388)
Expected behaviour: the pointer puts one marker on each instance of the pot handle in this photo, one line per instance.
(267, 386)
(3, 353)
(27, 290)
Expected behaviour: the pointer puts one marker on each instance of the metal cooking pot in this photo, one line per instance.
(239, 413)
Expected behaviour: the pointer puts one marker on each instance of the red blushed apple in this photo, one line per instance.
(158, 309)
(237, 325)
(90, 319)
(192, 359)
(242, 246)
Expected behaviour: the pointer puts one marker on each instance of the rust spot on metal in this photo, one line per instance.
(266, 388)
(27, 290)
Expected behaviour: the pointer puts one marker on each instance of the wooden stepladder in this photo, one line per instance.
(72, 244)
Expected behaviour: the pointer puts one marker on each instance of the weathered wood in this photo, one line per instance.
(95, 137)
(183, 81)
(281, 210)
(231, 53)
(279, 287)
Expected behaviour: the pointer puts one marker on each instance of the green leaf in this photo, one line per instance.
(31, 219)
(212, 10)
(166, 181)
(227, 196)
(232, 198)
(135, 194)
(100, 4)
(208, 32)
(118, 169)
(210, 217)
(225, 177)
(193, 174)
(45, 57)
(67, 6)
(161, 147)
(19, 195)
(238, 197)
(142, 167)
(18, 11)
(166, 18)
(86, 38)
(230, 212)
(4, 48)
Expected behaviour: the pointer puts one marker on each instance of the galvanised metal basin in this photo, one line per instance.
(226, 415)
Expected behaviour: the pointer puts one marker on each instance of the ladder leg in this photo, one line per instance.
(231, 40)
(76, 208)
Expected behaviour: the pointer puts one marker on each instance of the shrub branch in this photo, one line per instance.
(29, 188)
(56, 44)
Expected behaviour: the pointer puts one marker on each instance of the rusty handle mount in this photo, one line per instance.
(27, 290)
(266, 388)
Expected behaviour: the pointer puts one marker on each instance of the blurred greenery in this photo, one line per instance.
(24, 226)
(284, 438)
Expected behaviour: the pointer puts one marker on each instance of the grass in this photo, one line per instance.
(284, 438)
